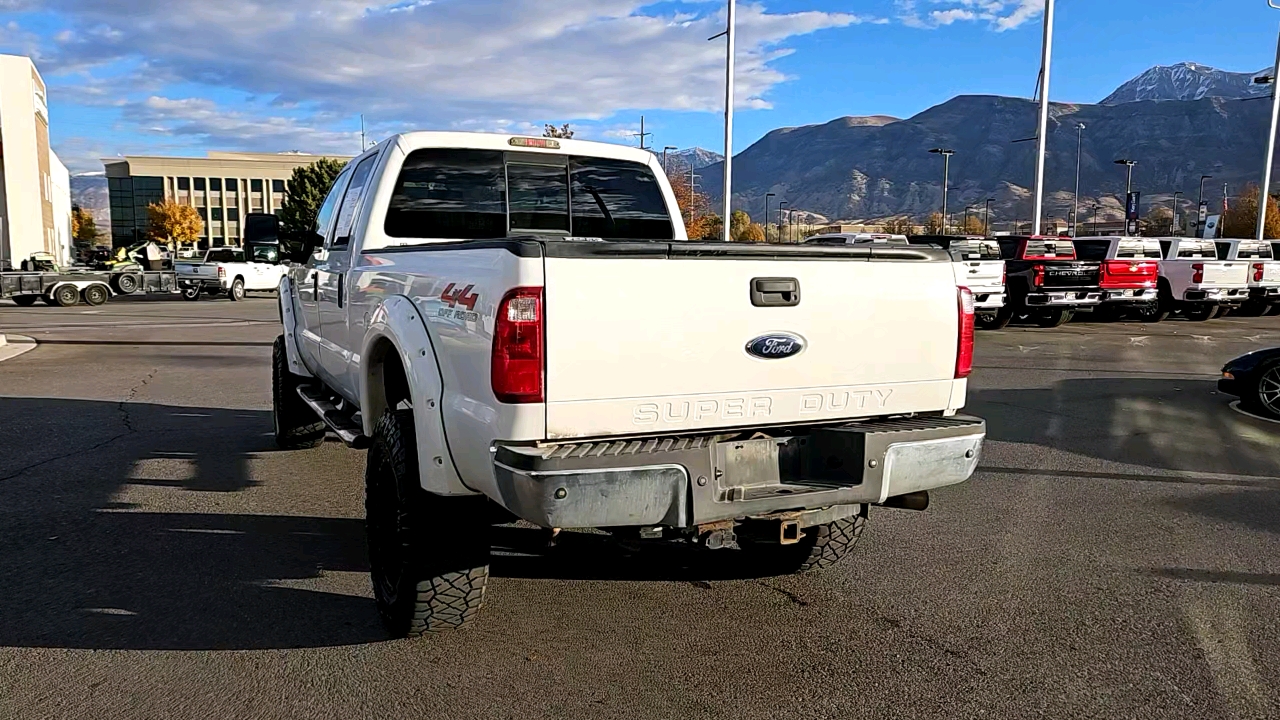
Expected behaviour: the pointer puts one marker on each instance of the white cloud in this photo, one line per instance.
(425, 63)
(999, 15)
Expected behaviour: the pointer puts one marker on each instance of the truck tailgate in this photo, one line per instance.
(644, 344)
(1270, 272)
(981, 275)
(198, 270)
(1233, 273)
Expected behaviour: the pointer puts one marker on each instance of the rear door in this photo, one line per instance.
(309, 279)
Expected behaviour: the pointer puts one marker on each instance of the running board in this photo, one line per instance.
(342, 425)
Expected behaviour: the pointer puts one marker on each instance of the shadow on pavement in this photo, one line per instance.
(83, 569)
(1182, 425)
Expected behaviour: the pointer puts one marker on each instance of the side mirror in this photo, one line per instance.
(308, 243)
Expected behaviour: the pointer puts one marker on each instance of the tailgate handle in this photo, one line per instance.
(775, 292)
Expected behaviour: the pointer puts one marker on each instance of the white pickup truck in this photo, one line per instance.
(1263, 273)
(1195, 282)
(522, 321)
(979, 267)
(227, 270)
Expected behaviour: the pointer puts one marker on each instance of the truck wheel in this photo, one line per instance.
(1056, 317)
(1253, 308)
(1151, 313)
(236, 292)
(821, 547)
(127, 284)
(1199, 312)
(191, 292)
(428, 555)
(66, 295)
(999, 321)
(96, 294)
(25, 300)
(1274, 309)
(296, 425)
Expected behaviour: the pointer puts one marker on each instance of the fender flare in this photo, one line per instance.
(289, 320)
(399, 322)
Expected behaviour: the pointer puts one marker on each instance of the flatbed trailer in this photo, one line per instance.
(93, 287)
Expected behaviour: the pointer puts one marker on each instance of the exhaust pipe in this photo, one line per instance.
(911, 501)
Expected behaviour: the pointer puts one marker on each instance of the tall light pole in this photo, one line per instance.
(1075, 205)
(766, 214)
(664, 158)
(784, 202)
(1042, 134)
(1128, 188)
(730, 34)
(986, 219)
(1271, 140)
(1173, 220)
(1095, 219)
(946, 171)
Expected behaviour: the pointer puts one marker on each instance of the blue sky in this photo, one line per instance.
(183, 76)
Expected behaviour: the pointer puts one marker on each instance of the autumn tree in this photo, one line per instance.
(170, 222)
(934, 225)
(753, 233)
(972, 225)
(1159, 221)
(563, 132)
(712, 228)
(308, 186)
(739, 221)
(1241, 219)
(84, 229)
(899, 226)
(695, 208)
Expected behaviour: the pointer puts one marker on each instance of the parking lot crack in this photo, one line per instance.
(123, 405)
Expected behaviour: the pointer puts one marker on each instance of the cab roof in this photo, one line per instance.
(410, 141)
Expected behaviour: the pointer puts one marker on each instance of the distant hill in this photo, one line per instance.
(89, 192)
(849, 169)
(1187, 81)
(698, 156)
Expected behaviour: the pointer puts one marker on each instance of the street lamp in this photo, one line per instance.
(1200, 202)
(986, 220)
(1075, 205)
(1173, 220)
(1128, 188)
(946, 170)
(664, 158)
(766, 214)
(1042, 127)
(1095, 219)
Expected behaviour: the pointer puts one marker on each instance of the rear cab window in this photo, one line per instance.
(1048, 249)
(1138, 250)
(451, 194)
(227, 255)
(1193, 250)
(1254, 251)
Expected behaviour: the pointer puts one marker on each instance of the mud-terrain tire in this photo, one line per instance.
(428, 554)
(296, 424)
(821, 547)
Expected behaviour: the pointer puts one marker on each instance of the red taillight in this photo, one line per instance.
(222, 272)
(1197, 276)
(1257, 272)
(1037, 275)
(964, 350)
(1004, 275)
(516, 368)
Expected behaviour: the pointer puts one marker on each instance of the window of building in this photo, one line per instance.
(215, 214)
(233, 214)
(277, 186)
(184, 183)
(255, 185)
(233, 185)
(215, 184)
(199, 184)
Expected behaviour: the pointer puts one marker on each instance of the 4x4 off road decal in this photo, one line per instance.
(454, 299)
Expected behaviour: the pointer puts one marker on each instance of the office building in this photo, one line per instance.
(35, 192)
(222, 187)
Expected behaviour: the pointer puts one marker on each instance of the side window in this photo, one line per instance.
(341, 236)
(325, 216)
(449, 194)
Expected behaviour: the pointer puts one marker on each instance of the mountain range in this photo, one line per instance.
(1178, 122)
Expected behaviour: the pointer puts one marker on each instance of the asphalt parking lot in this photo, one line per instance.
(1116, 556)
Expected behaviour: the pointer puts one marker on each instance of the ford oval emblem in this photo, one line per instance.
(776, 346)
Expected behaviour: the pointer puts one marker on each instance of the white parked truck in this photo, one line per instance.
(231, 270)
(979, 267)
(1195, 282)
(1263, 273)
(522, 321)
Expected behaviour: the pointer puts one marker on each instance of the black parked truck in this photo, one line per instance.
(1046, 282)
